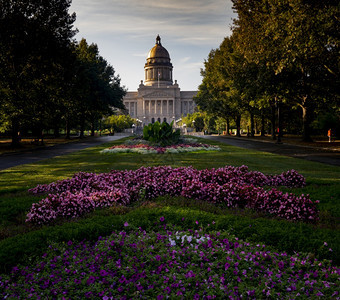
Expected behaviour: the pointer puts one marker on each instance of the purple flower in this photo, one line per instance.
(162, 219)
(91, 280)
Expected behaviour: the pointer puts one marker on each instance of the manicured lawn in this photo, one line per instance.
(19, 240)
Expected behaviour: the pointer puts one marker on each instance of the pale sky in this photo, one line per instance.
(125, 31)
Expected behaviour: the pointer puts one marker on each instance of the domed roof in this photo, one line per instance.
(158, 51)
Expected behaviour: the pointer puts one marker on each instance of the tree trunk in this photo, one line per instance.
(68, 130)
(56, 132)
(306, 121)
(252, 127)
(238, 125)
(82, 128)
(273, 123)
(228, 126)
(262, 124)
(41, 135)
(15, 133)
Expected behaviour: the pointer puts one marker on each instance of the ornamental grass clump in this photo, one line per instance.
(229, 187)
(170, 263)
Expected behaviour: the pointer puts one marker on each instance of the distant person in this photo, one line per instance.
(329, 134)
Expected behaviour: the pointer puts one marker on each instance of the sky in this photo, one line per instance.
(125, 31)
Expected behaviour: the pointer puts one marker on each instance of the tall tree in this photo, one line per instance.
(299, 38)
(218, 94)
(33, 33)
(98, 88)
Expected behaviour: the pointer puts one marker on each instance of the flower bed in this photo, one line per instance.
(147, 149)
(228, 186)
(171, 264)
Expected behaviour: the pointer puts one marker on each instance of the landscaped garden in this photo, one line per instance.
(202, 224)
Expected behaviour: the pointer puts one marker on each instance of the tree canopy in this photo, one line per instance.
(48, 79)
(279, 52)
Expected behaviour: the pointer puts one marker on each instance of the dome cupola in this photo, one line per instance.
(158, 68)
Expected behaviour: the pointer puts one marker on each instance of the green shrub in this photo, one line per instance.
(163, 133)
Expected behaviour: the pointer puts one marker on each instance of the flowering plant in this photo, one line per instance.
(147, 149)
(170, 263)
(228, 186)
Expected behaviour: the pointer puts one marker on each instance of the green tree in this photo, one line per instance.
(298, 39)
(33, 34)
(218, 93)
(98, 89)
(117, 123)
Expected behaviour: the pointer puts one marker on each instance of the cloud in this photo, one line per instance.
(191, 21)
(185, 59)
(190, 66)
(125, 30)
(140, 54)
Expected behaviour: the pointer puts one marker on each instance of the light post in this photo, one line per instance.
(193, 124)
(133, 127)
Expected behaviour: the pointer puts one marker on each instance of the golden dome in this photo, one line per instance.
(158, 51)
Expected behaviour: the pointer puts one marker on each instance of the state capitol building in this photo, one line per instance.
(158, 98)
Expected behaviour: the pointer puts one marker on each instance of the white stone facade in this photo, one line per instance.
(158, 99)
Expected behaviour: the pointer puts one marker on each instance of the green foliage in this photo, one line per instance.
(4, 122)
(283, 235)
(163, 133)
(47, 80)
(303, 67)
(200, 121)
(118, 123)
(97, 87)
(264, 62)
(326, 120)
(34, 44)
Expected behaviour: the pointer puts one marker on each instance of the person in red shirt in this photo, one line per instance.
(329, 134)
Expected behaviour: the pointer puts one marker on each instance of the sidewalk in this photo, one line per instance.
(14, 159)
(328, 155)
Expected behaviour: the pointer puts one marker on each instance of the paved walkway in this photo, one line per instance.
(15, 159)
(308, 153)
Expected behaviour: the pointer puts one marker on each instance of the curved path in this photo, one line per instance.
(308, 153)
(15, 159)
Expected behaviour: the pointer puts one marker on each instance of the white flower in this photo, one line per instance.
(172, 242)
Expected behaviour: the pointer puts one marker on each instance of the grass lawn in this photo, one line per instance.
(19, 241)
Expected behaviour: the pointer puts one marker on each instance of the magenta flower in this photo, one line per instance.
(233, 187)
